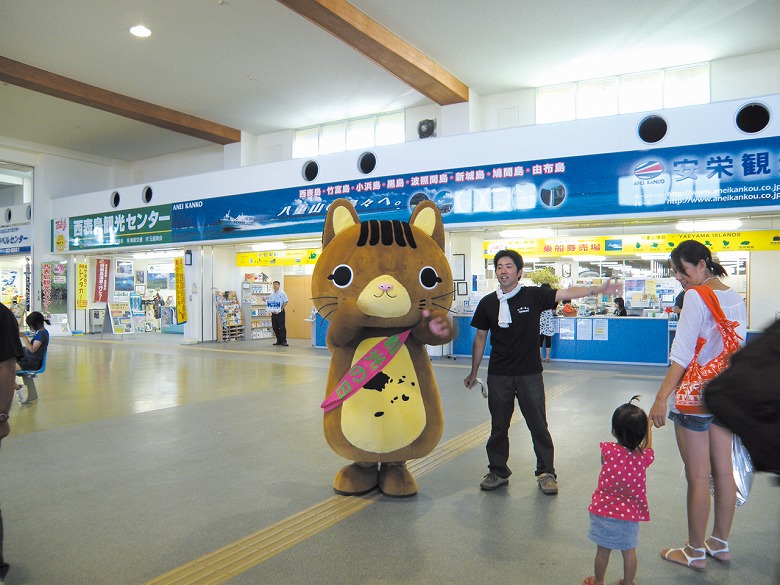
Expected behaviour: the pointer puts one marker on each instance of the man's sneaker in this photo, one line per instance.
(492, 481)
(548, 484)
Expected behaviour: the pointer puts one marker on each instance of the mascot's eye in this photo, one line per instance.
(428, 278)
(342, 276)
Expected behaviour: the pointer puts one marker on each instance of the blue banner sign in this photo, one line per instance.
(15, 239)
(701, 178)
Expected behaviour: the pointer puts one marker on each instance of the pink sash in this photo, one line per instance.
(365, 369)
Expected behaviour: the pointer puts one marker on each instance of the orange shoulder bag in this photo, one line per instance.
(688, 395)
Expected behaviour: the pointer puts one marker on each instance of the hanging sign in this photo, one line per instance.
(102, 269)
(54, 288)
(181, 293)
(81, 286)
(737, 241)
(277, 258)
(16, 239)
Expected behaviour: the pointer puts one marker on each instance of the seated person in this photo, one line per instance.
(620, 307)
(35, 348)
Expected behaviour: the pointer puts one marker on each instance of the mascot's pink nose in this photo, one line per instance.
(385, 287)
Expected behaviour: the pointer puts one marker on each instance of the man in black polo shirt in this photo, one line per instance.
(512, 314)
(10, 351)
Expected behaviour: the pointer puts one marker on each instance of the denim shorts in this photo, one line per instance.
(697, 423)
(612, 533)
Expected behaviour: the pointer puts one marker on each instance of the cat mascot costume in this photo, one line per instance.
(385, 286)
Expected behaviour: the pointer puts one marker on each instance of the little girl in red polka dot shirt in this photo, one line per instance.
(619, 503)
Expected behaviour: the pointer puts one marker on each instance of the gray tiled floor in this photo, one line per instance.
(143, 455)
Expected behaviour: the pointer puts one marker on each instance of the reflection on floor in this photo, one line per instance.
(147, 461)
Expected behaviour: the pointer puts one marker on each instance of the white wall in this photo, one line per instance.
(763, 287)
(742, 77)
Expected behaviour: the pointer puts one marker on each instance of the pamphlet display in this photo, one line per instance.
(230, 319)
(254, 295)
(118, 319)
(137, 311)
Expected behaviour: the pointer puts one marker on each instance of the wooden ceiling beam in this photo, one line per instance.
(29, 77)
(385, 48)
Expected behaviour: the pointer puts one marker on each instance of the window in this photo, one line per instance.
(636, 92)
(641, 92)
(360, 133)
(556, 104)
(354, 134)
(333, 138)
(687, 86)
(306, 143)
(390, 129)
(596, 99)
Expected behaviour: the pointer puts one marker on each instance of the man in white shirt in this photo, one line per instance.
(276, 303)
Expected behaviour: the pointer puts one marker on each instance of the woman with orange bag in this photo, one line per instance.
(712, 325)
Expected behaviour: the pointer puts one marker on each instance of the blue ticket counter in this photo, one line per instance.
(625, 340)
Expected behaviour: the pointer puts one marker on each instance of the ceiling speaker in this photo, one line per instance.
(426, 128)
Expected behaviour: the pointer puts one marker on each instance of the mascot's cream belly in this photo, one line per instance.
(388, 413)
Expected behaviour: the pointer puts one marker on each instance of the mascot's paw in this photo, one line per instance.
(356, 478)
(395, 480)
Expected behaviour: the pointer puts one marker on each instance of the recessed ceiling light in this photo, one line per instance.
(140, 31)
(268, 246)
(528, 233)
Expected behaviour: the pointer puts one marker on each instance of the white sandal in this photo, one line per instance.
(724, 549)
(689, 560)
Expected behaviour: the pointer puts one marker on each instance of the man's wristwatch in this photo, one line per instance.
(3, 417)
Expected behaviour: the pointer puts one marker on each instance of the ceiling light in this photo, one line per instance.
(141, 31)
(157, 254)
(731, 255)
(269, 246)
(710, 225)
(654, 256)
(586, 258)
(528, 233)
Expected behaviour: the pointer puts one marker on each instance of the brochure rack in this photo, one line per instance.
(230, 319)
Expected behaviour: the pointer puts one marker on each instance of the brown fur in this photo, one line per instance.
(359, 312)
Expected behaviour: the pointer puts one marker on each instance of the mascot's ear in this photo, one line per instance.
(427, 217)
(341, 215)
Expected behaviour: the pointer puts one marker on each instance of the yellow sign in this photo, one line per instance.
(81, 286)
(737, 241)
(181, 293)
(277, 258)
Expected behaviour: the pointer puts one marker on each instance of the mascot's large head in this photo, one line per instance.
(390, 270)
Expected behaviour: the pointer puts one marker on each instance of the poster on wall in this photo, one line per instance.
(160, 277)
(137, 311)
(124, 281)
(54, 288)
(11, 285)
(102, 269)
(566, 328)
(600, 329)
